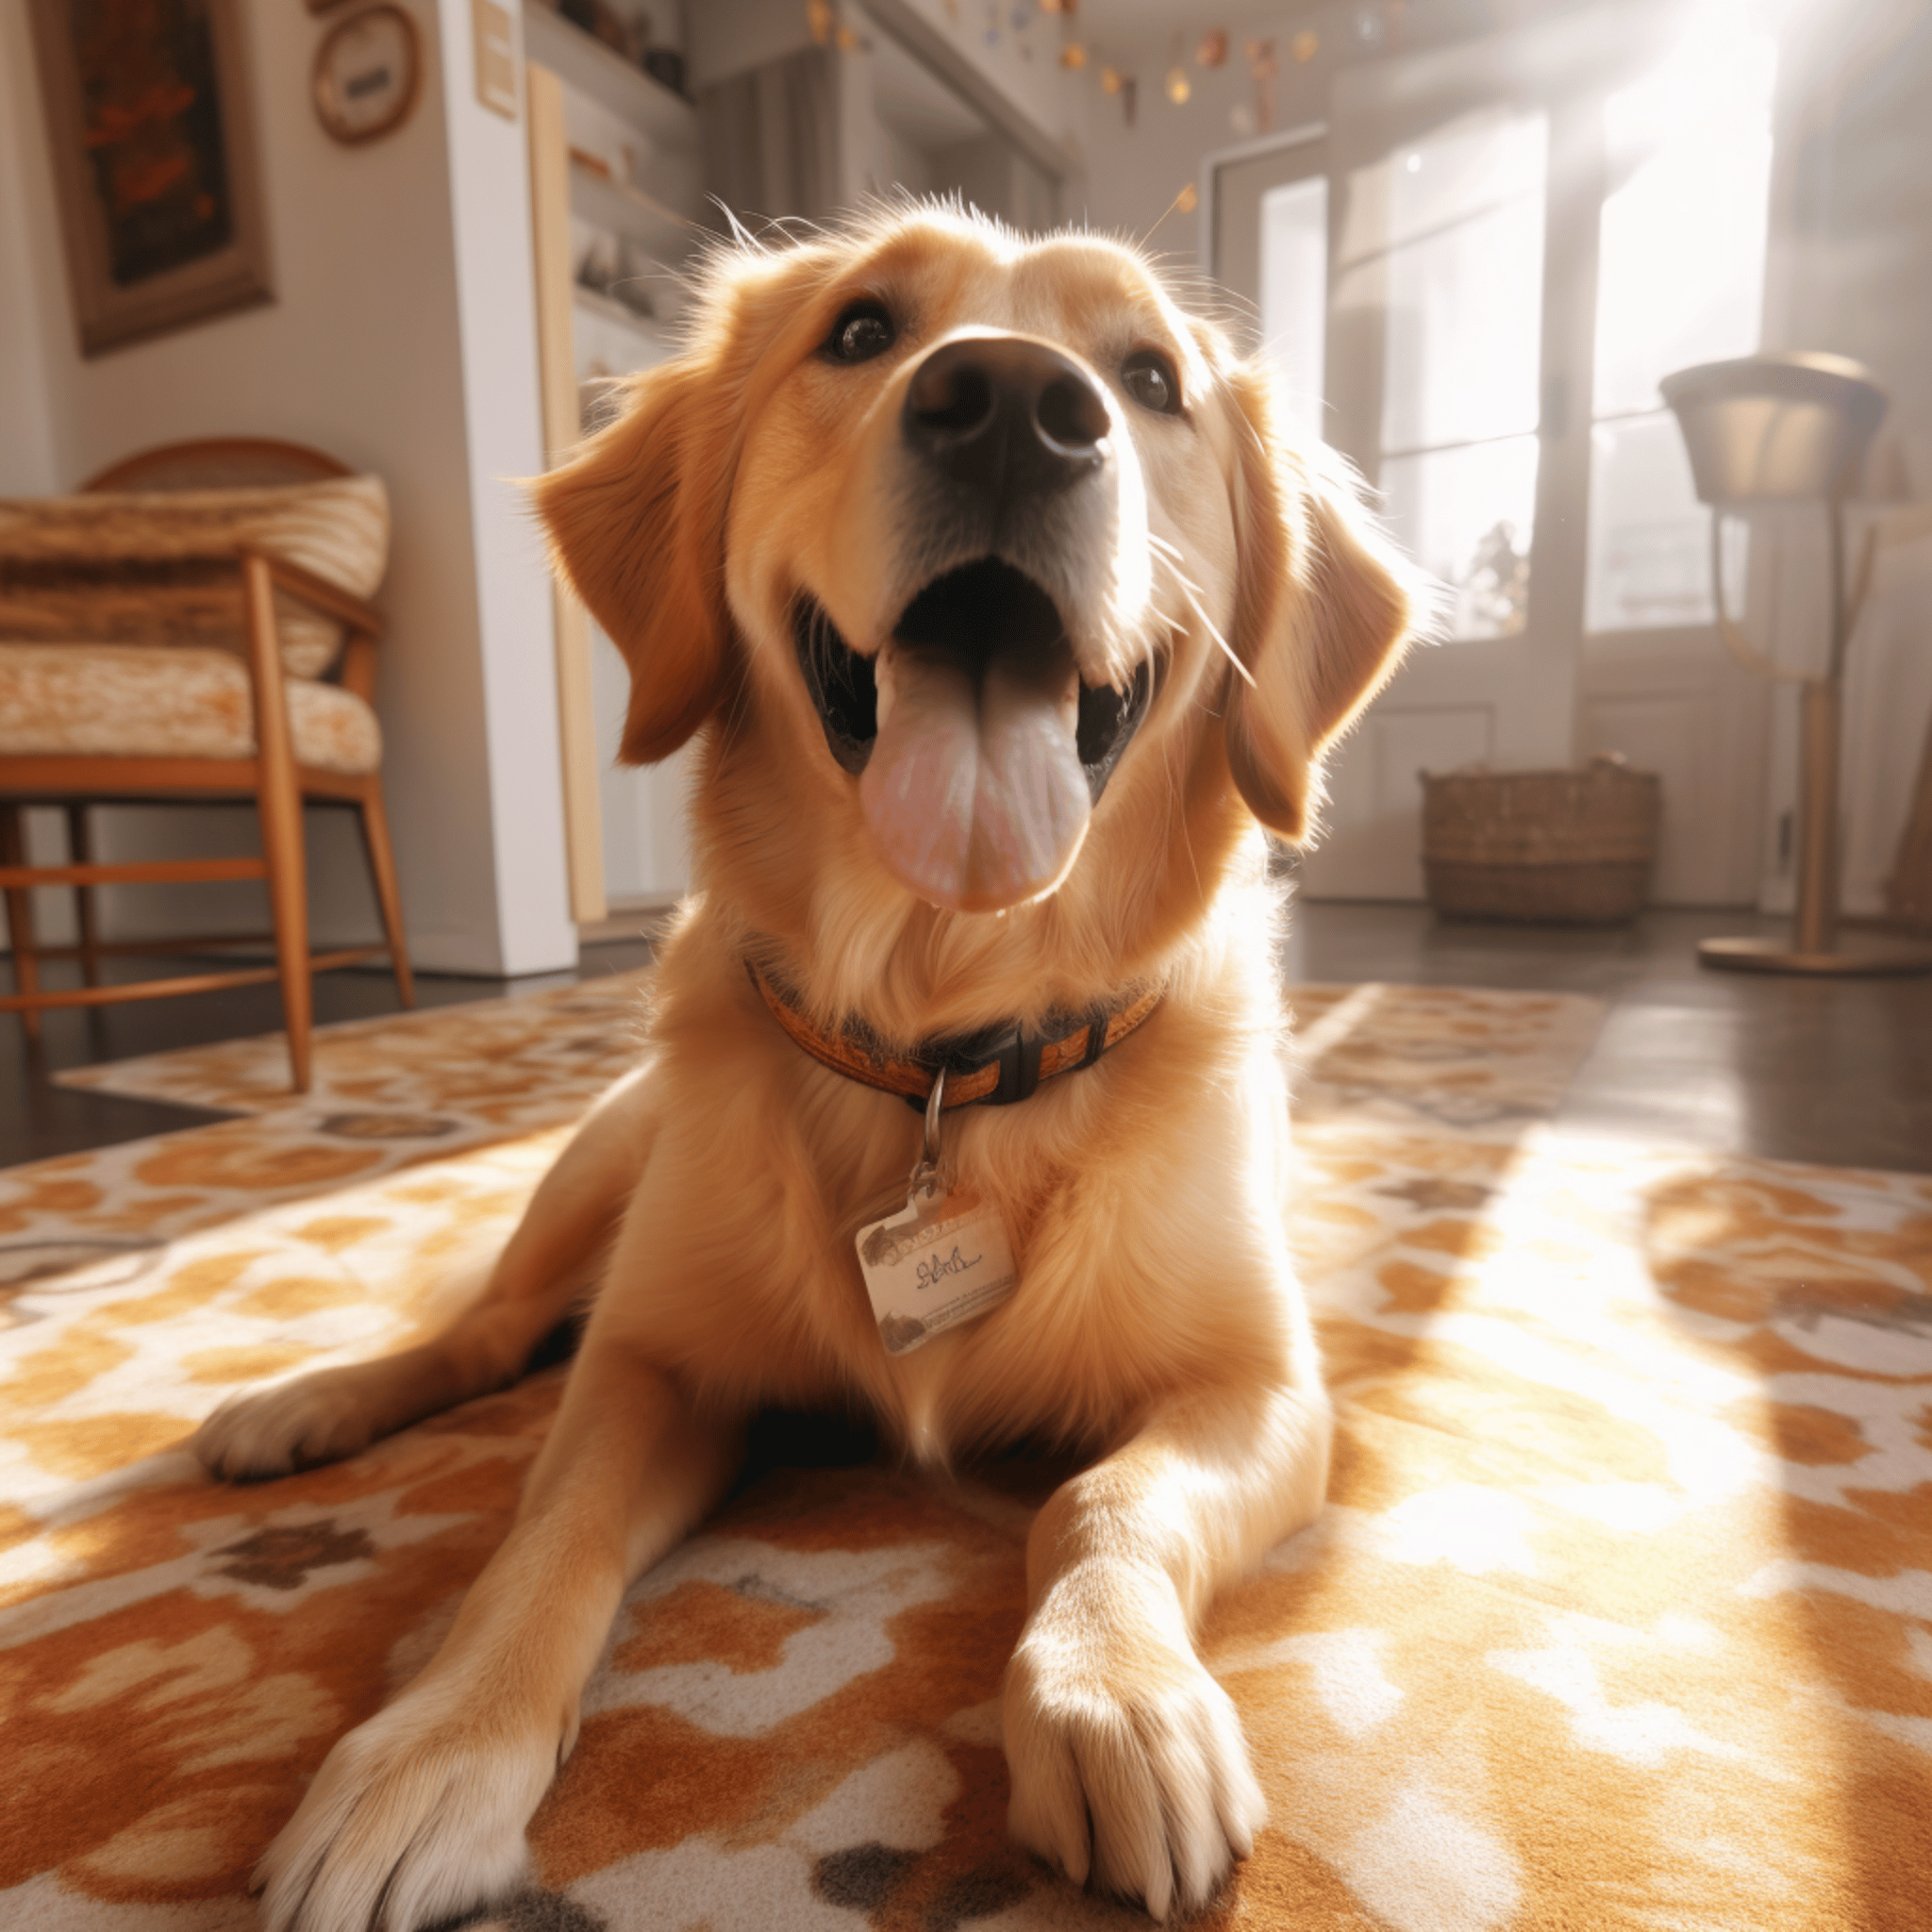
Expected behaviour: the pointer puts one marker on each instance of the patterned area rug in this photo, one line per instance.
(1621, 1615)
(394, 1092)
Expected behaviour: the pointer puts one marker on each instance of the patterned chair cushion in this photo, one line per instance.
(132, 701)
(338, 529)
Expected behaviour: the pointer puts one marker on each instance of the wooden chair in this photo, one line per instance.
(238, 583)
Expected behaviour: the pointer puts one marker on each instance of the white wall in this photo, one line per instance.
(401, 339)
(521, 747)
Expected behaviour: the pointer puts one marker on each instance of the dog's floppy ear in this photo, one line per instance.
(1323, 608)
(637, 525)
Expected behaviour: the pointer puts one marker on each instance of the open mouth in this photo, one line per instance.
(980, 753)
(964, 611)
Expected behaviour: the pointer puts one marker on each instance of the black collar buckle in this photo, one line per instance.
(1017, 1052)
(1015, 1048)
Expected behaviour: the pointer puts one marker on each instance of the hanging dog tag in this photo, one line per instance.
(941, 1260)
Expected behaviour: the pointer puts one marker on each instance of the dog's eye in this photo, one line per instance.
(1149, 377)
(862, 331)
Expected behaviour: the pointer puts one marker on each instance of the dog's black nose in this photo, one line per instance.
(1006, 417)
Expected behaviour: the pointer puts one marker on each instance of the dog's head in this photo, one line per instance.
(976, 547)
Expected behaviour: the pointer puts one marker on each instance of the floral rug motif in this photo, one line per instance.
(1620, 1617)
(391, 1093)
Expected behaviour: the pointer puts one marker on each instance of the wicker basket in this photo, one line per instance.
(1557, 848)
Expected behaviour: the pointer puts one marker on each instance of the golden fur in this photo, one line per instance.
(715, 1192)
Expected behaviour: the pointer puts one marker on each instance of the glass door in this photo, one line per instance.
(1448, 315)
(1521, 235)
(1268, 209)
(1687, 147)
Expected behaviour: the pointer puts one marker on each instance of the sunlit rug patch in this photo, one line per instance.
(1620, 1616)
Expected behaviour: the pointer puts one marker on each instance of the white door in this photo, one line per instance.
(1496, 383)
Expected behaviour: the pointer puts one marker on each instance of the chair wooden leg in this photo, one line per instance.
(382, 869)
(288, 891)
(279, 805)
(81, 851)
(20, 919)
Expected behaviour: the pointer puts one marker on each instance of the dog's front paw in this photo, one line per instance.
(1111, 1717)
(314, 1418)
(415, 1817)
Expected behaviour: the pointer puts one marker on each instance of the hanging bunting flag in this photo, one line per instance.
(1211, 50)
(1074, 55)
(1305, 45)
(1179, 85)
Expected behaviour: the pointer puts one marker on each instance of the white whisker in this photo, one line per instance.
(1188, 591)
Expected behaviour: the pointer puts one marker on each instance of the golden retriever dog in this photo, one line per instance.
(1001, 613)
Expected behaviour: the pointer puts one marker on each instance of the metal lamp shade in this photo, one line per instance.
(1763, 429)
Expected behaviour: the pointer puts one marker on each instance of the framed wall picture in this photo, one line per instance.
(367, 73)
(154, 160)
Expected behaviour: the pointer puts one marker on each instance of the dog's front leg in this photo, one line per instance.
(419, 1815)
(1110, 1716)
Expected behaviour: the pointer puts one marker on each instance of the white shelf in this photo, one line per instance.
(607, 203)
(583, 61)
(611, 309)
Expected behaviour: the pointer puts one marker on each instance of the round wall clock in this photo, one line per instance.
(367, 72)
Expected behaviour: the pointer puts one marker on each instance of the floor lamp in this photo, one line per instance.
(1793, 430)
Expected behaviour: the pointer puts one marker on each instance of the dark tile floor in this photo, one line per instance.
(1833, 1071)
(1836, 1072)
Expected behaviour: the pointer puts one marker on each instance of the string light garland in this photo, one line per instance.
(1010, 22)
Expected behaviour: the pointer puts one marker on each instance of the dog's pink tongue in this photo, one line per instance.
(975, 797)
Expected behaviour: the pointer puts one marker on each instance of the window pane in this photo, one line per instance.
(1649, 536)
(1681, 272)
(1465, 516)
(1295, 295)
(1464, 326)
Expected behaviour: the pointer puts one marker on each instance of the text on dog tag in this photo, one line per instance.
(941, 1260)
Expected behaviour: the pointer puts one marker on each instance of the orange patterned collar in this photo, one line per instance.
(993, 1067)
